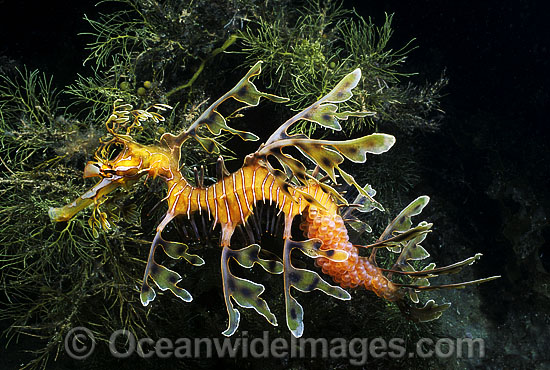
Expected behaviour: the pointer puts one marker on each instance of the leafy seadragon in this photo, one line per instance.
(292, 189)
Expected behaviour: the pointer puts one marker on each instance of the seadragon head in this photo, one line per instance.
(120, 161)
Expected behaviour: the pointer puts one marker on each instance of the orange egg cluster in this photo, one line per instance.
(355, 270)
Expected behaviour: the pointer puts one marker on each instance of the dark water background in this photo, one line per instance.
(489, 162)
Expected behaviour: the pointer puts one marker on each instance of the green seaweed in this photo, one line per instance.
(56, 277)
(307, 51)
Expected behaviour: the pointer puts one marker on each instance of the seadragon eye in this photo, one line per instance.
(107, 172)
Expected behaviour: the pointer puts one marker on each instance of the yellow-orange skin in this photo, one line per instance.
(230, 202)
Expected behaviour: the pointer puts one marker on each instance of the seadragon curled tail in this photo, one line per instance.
(292, 188)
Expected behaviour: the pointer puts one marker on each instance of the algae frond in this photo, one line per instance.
(54, 277)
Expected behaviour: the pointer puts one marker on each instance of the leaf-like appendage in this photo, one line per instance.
(209, 144)
(401, 227)
(244, 91)
(413, 250)
(328, 155)
(400, 238)
(358, 225)
(351, 181)
(216, 123)
(248, 256)
(244, 292)
(421, 281)
(295, 166)
(342, 91)
(324, 157)
(430, 311)
(311, 248)
(326, 115)
(163, 277)
(446, 270)
(147, 294)
(305, 281)
(168, 279)
(322, 111)
(461, 285)
(363, 203)
(356, 150)
(177, 250)
(403, 220)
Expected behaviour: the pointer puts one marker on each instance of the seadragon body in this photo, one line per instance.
(293, 192)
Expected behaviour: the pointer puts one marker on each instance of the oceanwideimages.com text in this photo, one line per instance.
(80, 344)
